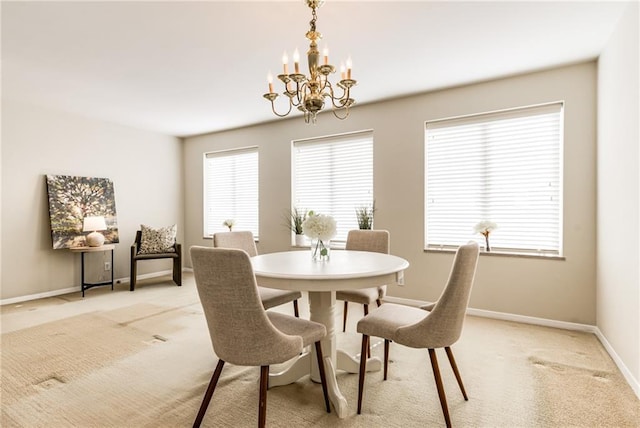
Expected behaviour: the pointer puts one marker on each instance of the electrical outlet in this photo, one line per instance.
(107, 265)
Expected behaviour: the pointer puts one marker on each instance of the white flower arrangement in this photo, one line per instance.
(229, 223)
(319, 228)
(485, 227)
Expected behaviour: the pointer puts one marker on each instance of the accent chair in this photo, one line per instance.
(270, 297)
(173, 252)
(242, 331)
(435, 326)
(364, 240)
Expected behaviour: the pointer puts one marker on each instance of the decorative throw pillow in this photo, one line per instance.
(155, 241)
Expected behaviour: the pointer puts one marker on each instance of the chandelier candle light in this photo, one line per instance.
(307, 93)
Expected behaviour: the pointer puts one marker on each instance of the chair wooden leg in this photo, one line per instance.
(132, 276)
(323, 377)
(363, 369)
(344, 316)
(378, 302)
(177, 271)
(262, 404)
(454, 366)
(208, 394)
(366, 312)
(295, 309)
(436, 375)
(386, 357)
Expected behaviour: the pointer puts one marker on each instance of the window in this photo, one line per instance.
(334, 176)
(231, 190)
(504, 167)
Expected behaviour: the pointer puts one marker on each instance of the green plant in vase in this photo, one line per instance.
(364, 216)
(293, 222)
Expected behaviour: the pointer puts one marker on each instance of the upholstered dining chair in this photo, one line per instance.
(436, 326)
(364, 240)
(242, 331)
(243, 240)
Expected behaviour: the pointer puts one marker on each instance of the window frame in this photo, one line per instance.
(487, 119)
(206, 227)
(335, 139)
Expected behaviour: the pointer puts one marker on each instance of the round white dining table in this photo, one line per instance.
(346, 269)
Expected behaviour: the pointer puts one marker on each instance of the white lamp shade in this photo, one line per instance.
(91, 224)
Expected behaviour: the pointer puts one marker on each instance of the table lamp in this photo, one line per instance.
(93, 224)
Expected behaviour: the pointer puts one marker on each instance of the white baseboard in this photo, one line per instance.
(532, 320)
(39, 295)
(77, 289)
(633, 382)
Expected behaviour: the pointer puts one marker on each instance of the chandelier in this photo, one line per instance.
(307, 93)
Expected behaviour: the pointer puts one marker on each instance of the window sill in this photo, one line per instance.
(334, 246)
(498, 253)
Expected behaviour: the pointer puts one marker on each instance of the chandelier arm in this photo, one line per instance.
(335, 113)
(335, 108)
(333, 98)
(273, 109)
(325, 83)
(300, 92)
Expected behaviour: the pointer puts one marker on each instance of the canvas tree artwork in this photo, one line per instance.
(71, 199)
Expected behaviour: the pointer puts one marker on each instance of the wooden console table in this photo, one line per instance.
(83, 250)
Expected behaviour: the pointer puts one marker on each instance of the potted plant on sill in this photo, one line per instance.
(294, 220)
(364, 214)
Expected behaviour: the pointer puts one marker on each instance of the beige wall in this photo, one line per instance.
(618, 263)
(555, 289)
(146, 169)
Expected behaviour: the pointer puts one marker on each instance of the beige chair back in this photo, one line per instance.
(241, 333)
(242, 240)
(368, 240)
(443, 326)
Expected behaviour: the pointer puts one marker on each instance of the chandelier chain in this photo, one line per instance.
(314, 16)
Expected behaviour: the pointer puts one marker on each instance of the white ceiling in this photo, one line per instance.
(191, 67)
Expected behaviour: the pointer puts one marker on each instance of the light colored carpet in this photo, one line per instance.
(143, 359)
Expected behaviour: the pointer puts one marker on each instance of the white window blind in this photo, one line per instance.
(334, 176)
(504, 167)
(231, 190)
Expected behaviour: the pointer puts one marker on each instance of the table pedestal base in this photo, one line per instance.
(352, 365)
(322, 307)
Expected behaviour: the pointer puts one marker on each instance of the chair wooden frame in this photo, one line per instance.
(242, 331)
(136, 257)
(264, 384)
(433, 326)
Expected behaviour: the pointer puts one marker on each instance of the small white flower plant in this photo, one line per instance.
(485, 227)
(229, 223)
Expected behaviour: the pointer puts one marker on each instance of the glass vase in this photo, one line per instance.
(320, 250)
